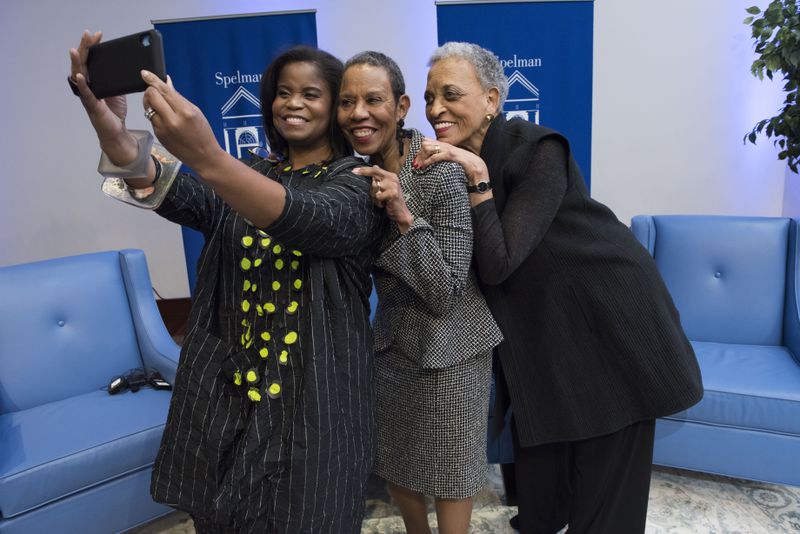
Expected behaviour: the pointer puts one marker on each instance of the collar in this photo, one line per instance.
(492, 140)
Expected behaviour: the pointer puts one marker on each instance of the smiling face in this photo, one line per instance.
(368, 112)
(302, 106)
(456, 105)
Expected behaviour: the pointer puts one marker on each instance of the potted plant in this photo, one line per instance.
(776, 32)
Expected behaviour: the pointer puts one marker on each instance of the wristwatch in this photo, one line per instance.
(480, 188)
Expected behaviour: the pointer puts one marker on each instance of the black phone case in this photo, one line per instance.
(114, 66)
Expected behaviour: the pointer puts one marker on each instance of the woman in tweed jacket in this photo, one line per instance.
(271, 425)
(433, 332)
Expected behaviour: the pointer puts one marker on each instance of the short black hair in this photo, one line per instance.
(330, 69)
(380, 60)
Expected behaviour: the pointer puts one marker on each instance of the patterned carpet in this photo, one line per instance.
(681, 502)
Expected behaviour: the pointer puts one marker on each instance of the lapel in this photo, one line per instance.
(413, 181)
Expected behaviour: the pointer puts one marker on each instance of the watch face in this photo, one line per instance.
(480, 187)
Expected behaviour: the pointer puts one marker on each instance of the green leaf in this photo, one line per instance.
(758, 68)
(773, 63)
(774, 17)
(776, 43)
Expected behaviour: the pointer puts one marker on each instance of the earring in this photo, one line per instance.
(400, 134)
(489, 117)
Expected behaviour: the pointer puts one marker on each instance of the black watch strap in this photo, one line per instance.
(480, 187)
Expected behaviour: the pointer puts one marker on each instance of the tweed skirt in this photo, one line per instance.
(432, 425)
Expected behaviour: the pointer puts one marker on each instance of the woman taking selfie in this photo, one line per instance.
(594, 350)
(433, 331)
(270, 428)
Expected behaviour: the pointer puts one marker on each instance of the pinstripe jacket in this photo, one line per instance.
(429, 305)
(291, 450)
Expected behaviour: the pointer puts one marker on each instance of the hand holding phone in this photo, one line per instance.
(114, 67)
(106, 115)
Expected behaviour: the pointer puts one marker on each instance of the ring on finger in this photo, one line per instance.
(436, 149)
(149, 113)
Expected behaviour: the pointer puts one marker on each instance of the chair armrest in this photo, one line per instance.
(157, 347)
(644, 229)
(791, 308)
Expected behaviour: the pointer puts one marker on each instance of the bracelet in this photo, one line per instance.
(158, 169)
(151, 197)
(155, 178)
(135, 169)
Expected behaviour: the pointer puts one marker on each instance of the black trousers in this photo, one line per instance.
(597, 486)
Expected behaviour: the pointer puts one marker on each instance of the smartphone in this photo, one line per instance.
(114, 66)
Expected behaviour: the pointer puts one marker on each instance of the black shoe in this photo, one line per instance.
(514, 522)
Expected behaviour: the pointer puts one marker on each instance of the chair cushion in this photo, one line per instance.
(60, 315)
(727, 275)
(751, 387)
(63, 447)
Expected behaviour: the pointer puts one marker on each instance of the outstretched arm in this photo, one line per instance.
(107, 115)
(183, 130)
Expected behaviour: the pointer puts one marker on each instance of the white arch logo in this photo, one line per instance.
(241, 123)
(523, 98)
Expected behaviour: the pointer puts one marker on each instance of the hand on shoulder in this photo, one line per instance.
(433, 151)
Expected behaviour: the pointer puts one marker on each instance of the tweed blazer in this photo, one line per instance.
(429, 306)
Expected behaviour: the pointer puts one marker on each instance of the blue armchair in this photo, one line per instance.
(735, 282)
(72, 457)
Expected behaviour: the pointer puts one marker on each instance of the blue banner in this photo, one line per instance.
(546, 50)
(217, 64)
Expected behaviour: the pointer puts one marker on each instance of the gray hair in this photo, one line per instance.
(377, 59)
(487, 65)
